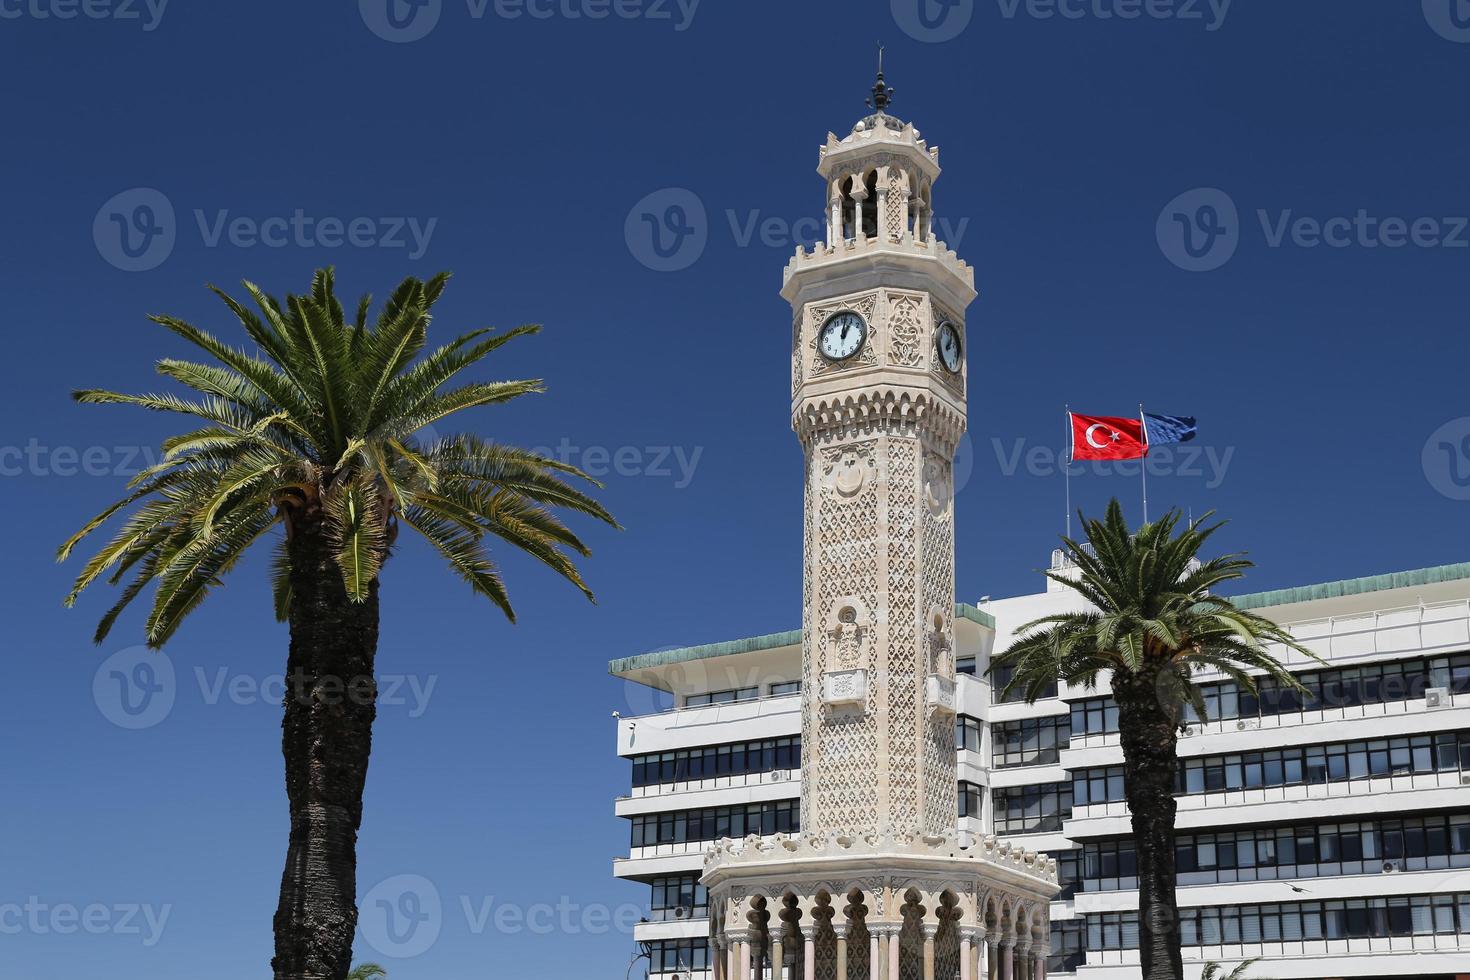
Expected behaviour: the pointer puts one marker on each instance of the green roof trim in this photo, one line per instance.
(751, 644)
(1354, 586)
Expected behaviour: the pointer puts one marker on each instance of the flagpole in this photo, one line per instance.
(1067, 462)
(1143, 460)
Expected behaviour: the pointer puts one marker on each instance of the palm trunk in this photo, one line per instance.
(1150, 738)
(331, 700)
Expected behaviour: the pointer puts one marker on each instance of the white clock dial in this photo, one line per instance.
(951, 354)
(842, 335)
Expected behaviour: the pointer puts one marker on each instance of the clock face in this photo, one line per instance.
(951, 354)
(842, 335)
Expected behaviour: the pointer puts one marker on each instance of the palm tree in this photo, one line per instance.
(314, 433)
(1152, 623)
(1212, 971)
(367, 971)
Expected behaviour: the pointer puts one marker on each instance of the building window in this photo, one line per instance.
(1069, 873)
(1001, 676)
(1029, 741)
(1031, 809)
(712, 823)
(1095, 716)
(723, 697)
(784, 688)
(1068, 946)
(678, 956)
(1102, 785)
(972, 799)
(1332, 763)
(678, 897)
(965, 665)
(968, 733)
(713, 761)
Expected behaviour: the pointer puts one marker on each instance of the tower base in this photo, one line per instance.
(878, 907)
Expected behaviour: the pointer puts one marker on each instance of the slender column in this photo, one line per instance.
(717, 961)
(744, 945)
(967, 946)
(883, 206)
(840, 929)
(980, 970)
(931, 929)
(880, 964)
(895, 943)
(1022, 956)
(1038, 962)
(1005, 954)
(809, 961)
(834, 216)
(992, 960)
(778, 950)
(875, 955)
(859, 194)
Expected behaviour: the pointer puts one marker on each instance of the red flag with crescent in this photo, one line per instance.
(1107, 437)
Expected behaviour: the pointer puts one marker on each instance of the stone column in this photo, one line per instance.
(834, 215)
(1022, 958)
(859, 194)
(895, 944)
(1038, 962)
(931, 929)
(717, 958)
(840, 929)
(875, 955)
(778, 963)
(809, 961)
(883, 230)
(965, 973)
(1006, 962)
(992, 960)
(740, 942)
(880, 962)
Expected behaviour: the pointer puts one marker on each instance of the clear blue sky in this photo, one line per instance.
(1326, 373)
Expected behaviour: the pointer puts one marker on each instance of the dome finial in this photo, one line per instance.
(882, 93)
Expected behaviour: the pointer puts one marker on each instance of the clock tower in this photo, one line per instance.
(878, 884)
(878, 403)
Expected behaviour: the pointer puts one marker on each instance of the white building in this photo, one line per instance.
(1331, 837)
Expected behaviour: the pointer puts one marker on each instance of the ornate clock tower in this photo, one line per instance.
(877, 886)
(878, 402)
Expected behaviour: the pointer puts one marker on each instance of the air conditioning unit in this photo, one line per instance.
(683, 912)
(1465, 779)
(780, 775)
(1389, 867)
(1243, 725)
(1436, 697)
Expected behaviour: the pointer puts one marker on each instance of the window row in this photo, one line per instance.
(1001, 676)
(1345, 687)
(709, 761)
(1031, 809)
(1307, 851)
(1338, 762)
(1029, 741)
(1351, 918)
(676, 894)
(969, 734)
(678, 956)
(713, 823)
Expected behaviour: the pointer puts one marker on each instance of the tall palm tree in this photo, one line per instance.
(1152, 623)
(314, 432)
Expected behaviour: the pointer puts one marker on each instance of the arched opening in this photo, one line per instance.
(925, 232)
(849, 210)
(870, 205)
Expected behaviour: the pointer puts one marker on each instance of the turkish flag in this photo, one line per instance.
(1107, 437)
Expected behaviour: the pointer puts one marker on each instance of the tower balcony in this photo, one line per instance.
(907, 262)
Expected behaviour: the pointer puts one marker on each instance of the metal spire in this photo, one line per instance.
(882, 93)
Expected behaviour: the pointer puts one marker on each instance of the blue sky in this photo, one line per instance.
(1315, 322)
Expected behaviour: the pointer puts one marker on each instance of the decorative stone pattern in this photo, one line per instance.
(905, 322)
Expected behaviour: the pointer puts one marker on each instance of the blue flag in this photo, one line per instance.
(1163, 429)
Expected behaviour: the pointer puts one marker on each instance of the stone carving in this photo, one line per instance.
(905, 318)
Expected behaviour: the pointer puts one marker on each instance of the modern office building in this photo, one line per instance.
(1329, 835)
